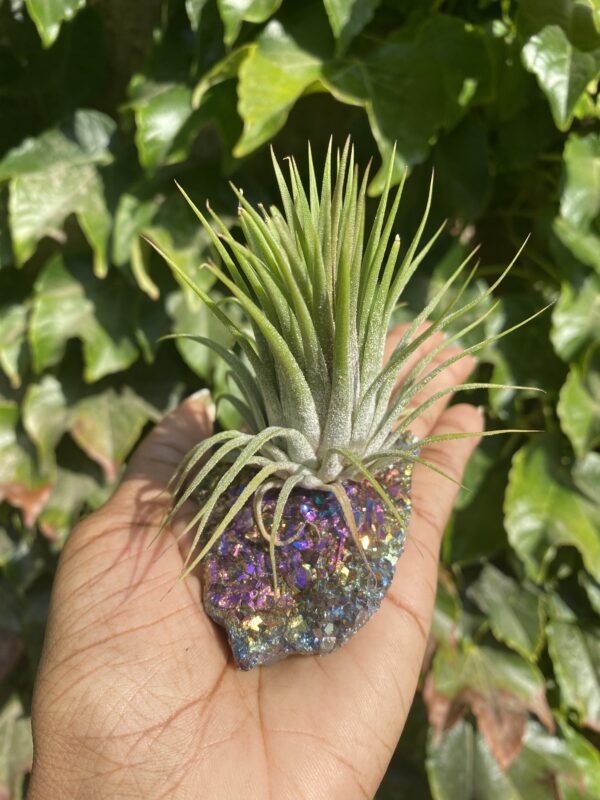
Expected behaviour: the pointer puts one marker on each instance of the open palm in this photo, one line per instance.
(137, 695)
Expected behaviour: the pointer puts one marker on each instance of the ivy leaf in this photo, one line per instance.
(161, 110)
(223, 70)
(410, 94)
(13, 329)
(5, 245)
(574, 647)
(461, 162)
(576, 317)
(543, 511)
(586, 475)
(576, 19)
(546, 763)
(11, 650)
(460, 766)
(45, 418)
(580, 202)
(499, 687)
(55, 175)
(20, 483)
(16, 748)
(235, 12)
(563, 72)
(107, 425)
(191, 316)
(69, 495)
(194, 9)
(517, 358)
(515, 614)
(446, 614)
(348, 17)
(48, 16)
(578, 225)
(579, 412)
(591, 588)
(65, 307)
(274, 74)
(465, 541)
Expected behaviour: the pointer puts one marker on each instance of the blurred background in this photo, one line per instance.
(104, 104)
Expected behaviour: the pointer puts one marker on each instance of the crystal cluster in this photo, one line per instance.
(327, 587)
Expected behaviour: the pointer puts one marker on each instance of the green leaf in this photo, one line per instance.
(191, 316)
(16, 748)
(547, 761)
(133, 216)
(574, 647)
(49, 15)
(161, 110)
(517, 359)
(235, 12)
(45, 418)
(348, 17)
(466, 541)
(579, 412)
(461, 162)
(544, 512)
(68, 498)
(515, 614)
(64, 307)
(576, 317)
(563, 72)
(586, 475)
(409, 93)
(106, 426)
(578, 225)
(580, 202)
(446, 614)
(5, 244)
(274, 74)
(223, 70)
(490, 672)
(20, 483)
(591, 588)
(194, 9)
(13, 328)
(164, 219)
(575, 17)
(461, 767)
(55, 175)
(499, 687)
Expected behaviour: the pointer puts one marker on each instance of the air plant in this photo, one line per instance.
(304, 511)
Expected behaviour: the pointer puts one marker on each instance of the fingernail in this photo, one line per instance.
(197, 395)
(481, 410)
(204, 396)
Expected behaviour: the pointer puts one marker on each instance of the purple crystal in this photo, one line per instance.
(326, 590)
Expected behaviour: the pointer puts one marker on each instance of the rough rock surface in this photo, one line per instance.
(328, 587)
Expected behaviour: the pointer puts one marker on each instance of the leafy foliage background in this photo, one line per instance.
(104, 103)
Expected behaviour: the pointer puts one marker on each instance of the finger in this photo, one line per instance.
(160, 453)
(411, 596)
(129, 523)
(419, 354)
(453, 375)
(432, 494)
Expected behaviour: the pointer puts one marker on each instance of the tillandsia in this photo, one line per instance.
(325, 453)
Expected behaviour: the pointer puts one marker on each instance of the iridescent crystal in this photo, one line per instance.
(328, 587)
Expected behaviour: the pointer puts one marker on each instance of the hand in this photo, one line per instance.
(137, 695)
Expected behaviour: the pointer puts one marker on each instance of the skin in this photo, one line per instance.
(137, 695)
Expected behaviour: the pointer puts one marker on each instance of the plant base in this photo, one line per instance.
(326, 590)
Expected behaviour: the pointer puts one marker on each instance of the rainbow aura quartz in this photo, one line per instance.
(326, 590)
